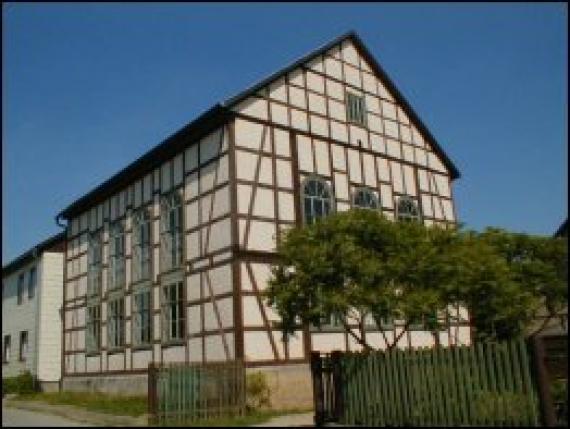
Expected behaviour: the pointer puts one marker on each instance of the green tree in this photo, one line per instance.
(358, 265)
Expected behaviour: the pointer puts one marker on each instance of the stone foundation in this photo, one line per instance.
(127, 385)
(290, 385)
(49, 386)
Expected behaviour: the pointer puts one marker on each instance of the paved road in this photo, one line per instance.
(16, 417)
(290, 420)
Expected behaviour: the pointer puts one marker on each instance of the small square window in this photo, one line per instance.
(355, 108)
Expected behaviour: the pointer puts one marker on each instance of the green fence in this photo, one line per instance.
(485, 384)
(182, 393)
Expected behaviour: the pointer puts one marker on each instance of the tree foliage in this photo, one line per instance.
(361, 266)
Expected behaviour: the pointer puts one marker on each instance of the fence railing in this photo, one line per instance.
(484, 384)
(180, 392)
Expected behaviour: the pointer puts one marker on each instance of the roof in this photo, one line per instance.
(53, 243)
(562, 230)
(220, 112)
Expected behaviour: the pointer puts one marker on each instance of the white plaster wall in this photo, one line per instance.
(50, 327)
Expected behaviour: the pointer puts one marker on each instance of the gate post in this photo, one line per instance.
(337, 379)
(151, 392)
(543, 383)
(318, 394)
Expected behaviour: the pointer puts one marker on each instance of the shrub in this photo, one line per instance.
(257, 391)
(21, 384)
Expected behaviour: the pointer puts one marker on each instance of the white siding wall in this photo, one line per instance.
(17, 318)
(51, 300)
(39, 316)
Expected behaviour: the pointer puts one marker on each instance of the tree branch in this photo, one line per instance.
(400, 335)
(356, 337)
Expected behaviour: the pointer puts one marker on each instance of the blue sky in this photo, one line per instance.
(87, 88)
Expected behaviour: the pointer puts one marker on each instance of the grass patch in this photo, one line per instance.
(250, 418)
(133, 406)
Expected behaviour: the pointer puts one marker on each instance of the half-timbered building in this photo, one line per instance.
(166, 260)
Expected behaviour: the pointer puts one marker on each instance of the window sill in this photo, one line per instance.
(115, 350)
(92, 353)
(173, 343)
(141, 347)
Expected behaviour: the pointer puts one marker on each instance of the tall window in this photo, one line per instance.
(173, 312)
(32, 280)
(116, 256)
(95, 256)
(116, 323)
(171, 231)
(141, 245)
(7, 348)
(407, 210)
(317, 200)
(365, 199)
(93, 328)
(355, 108)
(23, 345)
(141, 318)
(20, 288)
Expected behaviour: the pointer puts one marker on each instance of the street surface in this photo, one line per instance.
(14, 417)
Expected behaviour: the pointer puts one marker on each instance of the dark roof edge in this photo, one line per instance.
(455, 174)
(169, 146)
(55, 241)
(562, 229)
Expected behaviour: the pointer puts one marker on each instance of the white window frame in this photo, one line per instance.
(142, 245)
(32, 282)
(117, 265)
(20, 290)
(405, 216)
(142, 317)
(173, 312)
(319, 199)
(370, 194)
(171, 231)
(355, 109)
(6, 348)
(93, 328)
(94, 269)
(24, 346)
(116, 323)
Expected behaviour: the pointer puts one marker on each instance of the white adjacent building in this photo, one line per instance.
(166, 260)
(32, 297)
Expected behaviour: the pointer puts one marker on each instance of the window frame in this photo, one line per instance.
(167, 305)
(116, 272)
(323, 199)
(171, 236)
(138, 318)
(363, 190)
(93, 329)
(95, 264)
(23, 354)
(141, 249)
(20, 286)
(116, 323)
(32, 282)
(404, 217)
(6, 348)
(355, 114)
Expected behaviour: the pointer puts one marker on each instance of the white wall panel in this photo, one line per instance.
(354, 167)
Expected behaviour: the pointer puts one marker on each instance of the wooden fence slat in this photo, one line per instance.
(529, 385)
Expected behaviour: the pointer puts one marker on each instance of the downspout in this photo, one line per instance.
(61, 312)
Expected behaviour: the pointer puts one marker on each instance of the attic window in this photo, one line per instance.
(356, 110)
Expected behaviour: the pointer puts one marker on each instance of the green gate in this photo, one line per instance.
(488, 384)
(180, 392)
